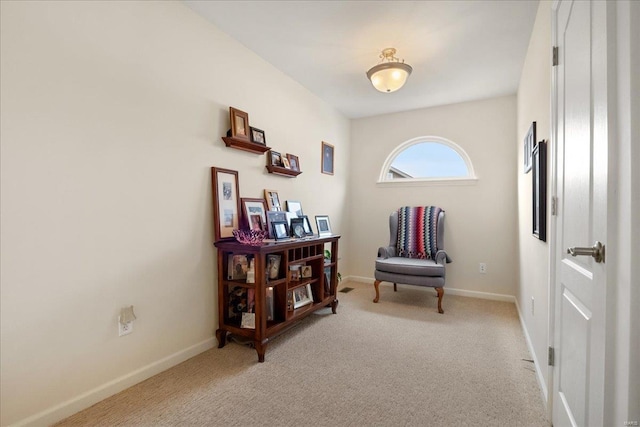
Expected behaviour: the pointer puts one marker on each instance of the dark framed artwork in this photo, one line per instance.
(226, 202)
(239, 124)
(308, 231)
(529, 143)
(257, 136)
(297, 227)
(280, 230)
(275, 216)
(539, 180)
(327, 158)
(254, 213)
(275, 158)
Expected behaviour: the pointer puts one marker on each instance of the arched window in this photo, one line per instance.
(427, 159)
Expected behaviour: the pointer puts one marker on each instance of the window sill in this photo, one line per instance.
(427, 182)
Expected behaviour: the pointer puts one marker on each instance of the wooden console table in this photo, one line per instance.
(281, 298)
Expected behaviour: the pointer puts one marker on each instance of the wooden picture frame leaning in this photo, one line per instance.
(251, 208)
(239, 124)
(226, 202)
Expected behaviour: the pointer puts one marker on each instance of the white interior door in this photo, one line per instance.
(581, 168)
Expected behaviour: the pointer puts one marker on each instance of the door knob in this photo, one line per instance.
(596, 251)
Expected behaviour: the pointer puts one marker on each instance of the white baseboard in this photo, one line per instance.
(91, 397)
(536, 362)
(448, 290)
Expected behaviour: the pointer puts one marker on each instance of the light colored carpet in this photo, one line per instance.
(397, 362)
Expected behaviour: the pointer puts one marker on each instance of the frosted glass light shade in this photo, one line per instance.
(389, 76)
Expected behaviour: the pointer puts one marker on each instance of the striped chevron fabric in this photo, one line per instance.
(417, 231)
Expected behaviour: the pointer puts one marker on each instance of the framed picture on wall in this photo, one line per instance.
(529, 143)
(539, 181)
(226, 202)
(327, 158)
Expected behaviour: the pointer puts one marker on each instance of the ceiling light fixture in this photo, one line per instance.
(391, 75)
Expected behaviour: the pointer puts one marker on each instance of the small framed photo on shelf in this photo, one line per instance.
(295, 207)
(273, 266)
(273, 200)
(294, 162)
(275, 158)
(306, 271)
(294, 274)
(297, 227)
(237, 303)
(238, 266)
(324, 227)
(529, 143)
(327, 158)
(226, 202)
(285, 163)
(257, 136)
(275, 216)
(302, 296)
(280, 230)
(239, 124)
(254, 212)
(308, 231)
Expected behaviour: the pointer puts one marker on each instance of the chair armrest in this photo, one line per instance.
(386, 252)
(442, 257)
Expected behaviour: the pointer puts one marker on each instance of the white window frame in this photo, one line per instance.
(470, 179)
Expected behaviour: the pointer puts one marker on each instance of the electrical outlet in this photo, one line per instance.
(483, 268)
(533, 305)
(124, 329)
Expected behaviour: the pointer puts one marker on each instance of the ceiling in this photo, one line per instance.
(459, 50)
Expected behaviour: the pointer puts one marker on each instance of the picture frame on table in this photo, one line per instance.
(295, 207)
(308, 231)
(275, 216)
(323, 225)
(539, 180)
(297, 227)
(273, 200)
(239, 124)
(327, 158)
(257, 136)
(280, 230)
(529, 143)
(226, 202)
(302, 296)
(294, 162)
(275, 158)
(254, 212)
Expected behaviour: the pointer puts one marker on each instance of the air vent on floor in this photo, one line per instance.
(346, 289)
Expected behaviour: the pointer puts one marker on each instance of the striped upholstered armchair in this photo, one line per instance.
(415, 254)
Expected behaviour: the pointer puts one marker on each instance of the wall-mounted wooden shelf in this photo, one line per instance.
(279, 170)
(245, 145)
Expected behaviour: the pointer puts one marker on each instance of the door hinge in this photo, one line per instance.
(554, 206)
(551, 356)
(555, 56)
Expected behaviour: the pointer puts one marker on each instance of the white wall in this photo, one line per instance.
(480, 219)
(534, 104)
(112, 114)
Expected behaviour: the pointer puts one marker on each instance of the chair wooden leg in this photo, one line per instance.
(395, 287)
(376, 284)
(440, 292)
